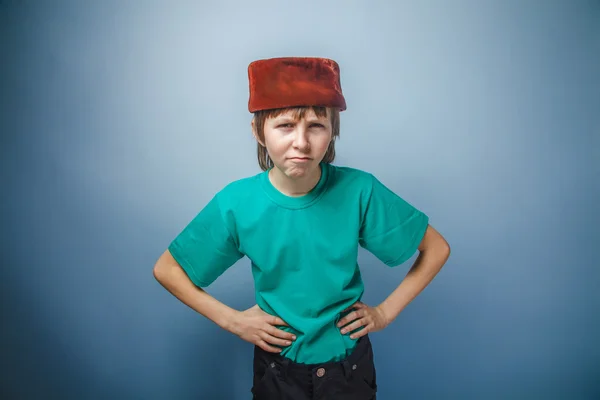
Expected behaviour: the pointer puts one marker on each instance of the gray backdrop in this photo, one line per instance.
(120, 120)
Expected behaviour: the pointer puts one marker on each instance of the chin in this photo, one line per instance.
(294, 170)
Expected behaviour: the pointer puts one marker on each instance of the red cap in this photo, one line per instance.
(294, 81)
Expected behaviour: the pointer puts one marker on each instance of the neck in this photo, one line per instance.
(294, 187)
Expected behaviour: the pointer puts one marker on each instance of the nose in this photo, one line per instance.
(301, 139)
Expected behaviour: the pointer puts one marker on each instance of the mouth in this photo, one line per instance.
(300, 158)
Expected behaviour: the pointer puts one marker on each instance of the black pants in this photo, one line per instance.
(278, 378)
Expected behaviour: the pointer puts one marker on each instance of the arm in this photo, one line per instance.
(434, 252)
(173, 278)
(252, 325)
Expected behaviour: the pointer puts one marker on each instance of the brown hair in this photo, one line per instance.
(260, 117)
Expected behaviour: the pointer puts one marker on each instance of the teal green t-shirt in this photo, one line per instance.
(303, 250)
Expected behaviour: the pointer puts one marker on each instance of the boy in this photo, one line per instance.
(300, 222)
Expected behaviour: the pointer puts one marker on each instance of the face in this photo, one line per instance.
(297, 147)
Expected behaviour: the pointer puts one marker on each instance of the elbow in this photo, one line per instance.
(442, 247)
(158, 272)
(446, 251)
(434, 242)
(161, 268)
(440, 251)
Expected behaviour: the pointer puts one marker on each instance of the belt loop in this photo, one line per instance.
(347, 369)
(284, 368)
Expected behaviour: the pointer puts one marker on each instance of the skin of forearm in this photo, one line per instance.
(174, 279)
(427, 265)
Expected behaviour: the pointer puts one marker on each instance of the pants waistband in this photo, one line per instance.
(347, 365)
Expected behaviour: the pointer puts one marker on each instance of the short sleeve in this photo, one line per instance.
(205, 248)
(391, 228)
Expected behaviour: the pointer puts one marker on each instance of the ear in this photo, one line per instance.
(254, 133)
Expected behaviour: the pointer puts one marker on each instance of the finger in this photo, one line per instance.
(361, 333)
(350, 317)
(271, 330)
(273, 320)
(355, 325)
(266, 347)
(357, 304)
(274, 340)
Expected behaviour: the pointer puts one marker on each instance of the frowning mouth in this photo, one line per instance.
(300, 158)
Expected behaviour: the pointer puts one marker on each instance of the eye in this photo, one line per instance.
(285, 126)
(318, 125)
